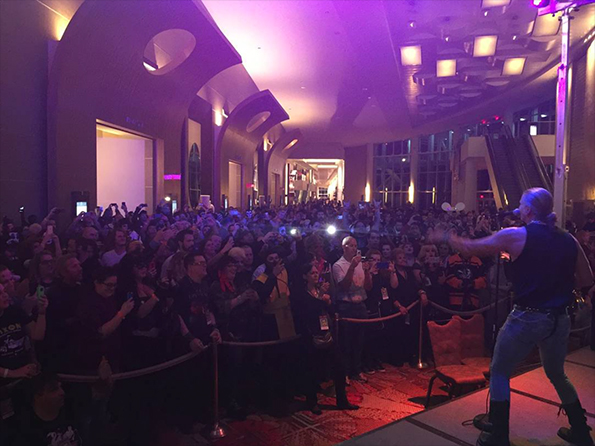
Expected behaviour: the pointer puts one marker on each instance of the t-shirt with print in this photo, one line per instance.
(13, 338)
(356, 292)
(59, 432)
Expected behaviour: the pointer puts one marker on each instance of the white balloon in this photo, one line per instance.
(460, 207)
(446, 206)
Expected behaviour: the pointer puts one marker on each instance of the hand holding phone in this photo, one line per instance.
(40, 292)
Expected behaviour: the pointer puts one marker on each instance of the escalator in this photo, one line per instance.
(509, 186)
(515, 163)
(533, 168)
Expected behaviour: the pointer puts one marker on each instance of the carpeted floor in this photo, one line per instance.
(386, 397)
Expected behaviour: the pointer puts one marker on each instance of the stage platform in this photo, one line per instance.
(534, 416)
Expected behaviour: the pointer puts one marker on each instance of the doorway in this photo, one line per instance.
(235, 185)
(275, 186)
(125, 168)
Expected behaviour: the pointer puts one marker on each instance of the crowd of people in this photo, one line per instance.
(122, 290)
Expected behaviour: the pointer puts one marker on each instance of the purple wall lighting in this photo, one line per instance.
(171, 177)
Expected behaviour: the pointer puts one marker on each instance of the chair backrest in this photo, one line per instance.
(446, 342)
(472, 336)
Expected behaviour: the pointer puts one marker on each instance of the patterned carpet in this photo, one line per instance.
(386, 397)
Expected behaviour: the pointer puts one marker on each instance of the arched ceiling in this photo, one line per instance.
(335, 66)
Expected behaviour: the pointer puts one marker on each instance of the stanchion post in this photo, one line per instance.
(420, 364)
(217, 431)
(337, 319)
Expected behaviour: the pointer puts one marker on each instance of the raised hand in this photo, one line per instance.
(127, 307)
(356, 261)
(42, 305)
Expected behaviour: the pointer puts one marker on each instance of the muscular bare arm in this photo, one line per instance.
(511, 240)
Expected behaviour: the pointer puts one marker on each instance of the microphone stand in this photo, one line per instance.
(481, 421)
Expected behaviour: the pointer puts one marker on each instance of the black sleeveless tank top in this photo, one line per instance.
(543, 275)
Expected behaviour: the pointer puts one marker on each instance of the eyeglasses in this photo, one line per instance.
(110, 284)
(199, 264)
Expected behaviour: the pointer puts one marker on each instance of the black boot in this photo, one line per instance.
(341, 396)
(579, 432)
(498, 435)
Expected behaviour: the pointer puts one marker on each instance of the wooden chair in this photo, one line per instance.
(473, 351)
(446, 346)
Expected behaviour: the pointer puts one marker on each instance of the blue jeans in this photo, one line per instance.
(521, 332)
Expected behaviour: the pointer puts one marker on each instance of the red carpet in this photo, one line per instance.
(386, 397)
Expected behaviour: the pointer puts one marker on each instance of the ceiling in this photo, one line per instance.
(335, 66)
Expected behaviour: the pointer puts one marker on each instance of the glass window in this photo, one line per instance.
(392, 172)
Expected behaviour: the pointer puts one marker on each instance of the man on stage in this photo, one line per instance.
(547, 264)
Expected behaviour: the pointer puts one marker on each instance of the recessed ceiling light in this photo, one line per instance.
(485, 13)
(447, 38)
(369, 97)
(412, 24)
(302, 87)
(543, 115)
(546, 25)
(515, 37)
(522, 119)
(514, 66)
(446, 68)
(411, 55)
(494, 3)
(484, 46)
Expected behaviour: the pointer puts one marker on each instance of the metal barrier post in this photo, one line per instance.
(420, 364)
(217, 431)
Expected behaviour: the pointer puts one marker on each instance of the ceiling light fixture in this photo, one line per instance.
(515, 37)
(540, 3)
(447, 38)
(412, 24)
(485, 13)
(494, 3)
(546, 25)
(446, 68)
(484, 46)
(514, 66)
(411, 55)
